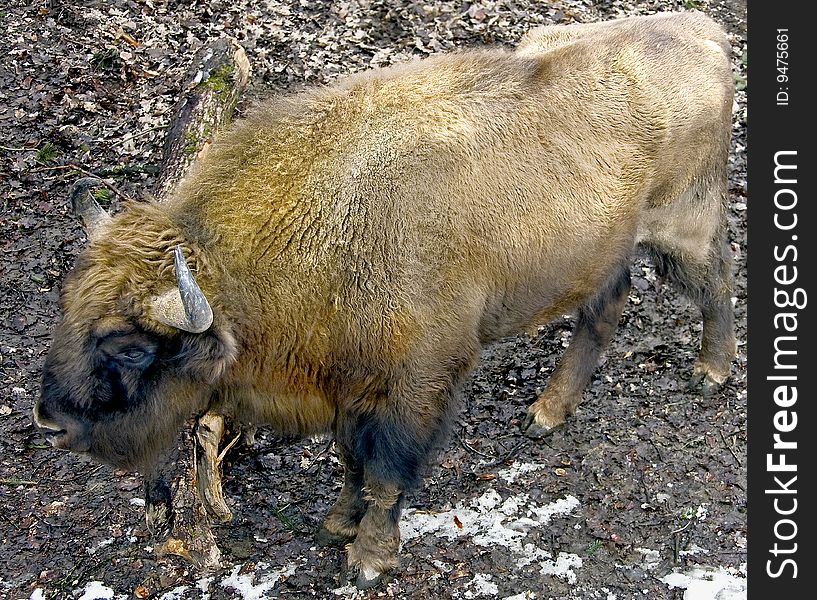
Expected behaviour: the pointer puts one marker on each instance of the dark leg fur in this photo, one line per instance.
(393, 443)
(341, 523)
(597, 322)
(709, 285)
(158, 507)
(374, 551)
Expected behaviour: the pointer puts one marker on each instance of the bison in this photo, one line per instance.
(338, 259)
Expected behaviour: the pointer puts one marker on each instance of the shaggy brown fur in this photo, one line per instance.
(360, 243)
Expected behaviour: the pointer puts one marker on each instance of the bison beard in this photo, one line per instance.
(354, 247)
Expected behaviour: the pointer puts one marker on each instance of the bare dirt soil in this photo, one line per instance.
(641, 495)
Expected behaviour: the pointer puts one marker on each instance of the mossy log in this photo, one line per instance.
(214, 84)
(183, 495)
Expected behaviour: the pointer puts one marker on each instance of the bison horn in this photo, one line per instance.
(184, 307)
(83, 204)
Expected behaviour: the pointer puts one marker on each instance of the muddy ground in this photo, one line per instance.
(641, 495)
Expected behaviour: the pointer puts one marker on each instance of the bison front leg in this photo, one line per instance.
(597, 322)
(392, 441)
(374, 551)
(158, 506)
(341, 524)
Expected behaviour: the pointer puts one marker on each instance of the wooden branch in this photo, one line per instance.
(209, 432)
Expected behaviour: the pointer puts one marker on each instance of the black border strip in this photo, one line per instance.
(779, 362)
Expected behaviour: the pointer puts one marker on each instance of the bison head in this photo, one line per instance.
(137, 351)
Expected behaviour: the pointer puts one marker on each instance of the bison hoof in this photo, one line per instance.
(708, 383)
(324, 537)
(368, 578)
(158, 508)
(159, 520)
(537, 430)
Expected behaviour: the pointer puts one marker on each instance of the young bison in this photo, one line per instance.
(340, 256)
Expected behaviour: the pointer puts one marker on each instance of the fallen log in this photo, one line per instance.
(183, 493)
(180, 510)
(218, 76)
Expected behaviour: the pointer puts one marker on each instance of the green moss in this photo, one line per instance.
(101, 195)
(191, 143)
(46, 153)
(219, 79)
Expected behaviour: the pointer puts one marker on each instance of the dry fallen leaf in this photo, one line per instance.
(459, 573)
(175, 547)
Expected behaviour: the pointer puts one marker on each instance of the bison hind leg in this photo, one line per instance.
(596, 324)
(708, 284)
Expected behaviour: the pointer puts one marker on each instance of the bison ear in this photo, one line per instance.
(94, 218)
(184, 307)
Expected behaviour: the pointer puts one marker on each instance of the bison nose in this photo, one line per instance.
(42, 419)
(71, 435)
(49, 428)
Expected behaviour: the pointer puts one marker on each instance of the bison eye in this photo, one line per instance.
(135, 358)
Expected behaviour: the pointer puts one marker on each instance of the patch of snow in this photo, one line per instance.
(483, 586)
(37, 594)
(203, 585)
(516, 470)
(442, 566)
(176, 593)
(137, 501)
(650, 558)
(244, 583)
(530, 554)
(563, 506)
(582, 593)
(487, 519)
(709, 583)
(523, 596)
(348, 591)
(96, 590)
(693, 550)
(99, 546)
(491, 522)
(562, 567)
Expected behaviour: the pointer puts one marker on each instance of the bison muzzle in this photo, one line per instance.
(340, 256)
